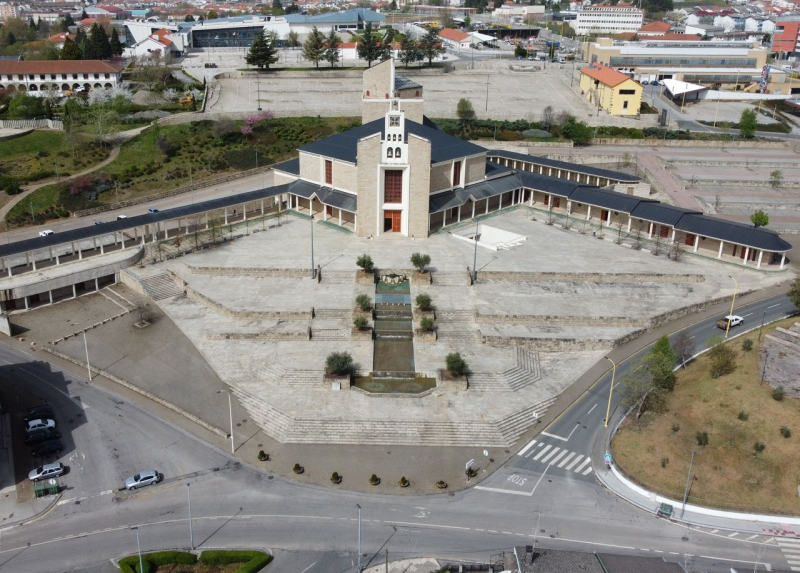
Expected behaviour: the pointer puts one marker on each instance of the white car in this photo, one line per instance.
(149, 477)
(40, 424)
(46, 233)
(46, 471)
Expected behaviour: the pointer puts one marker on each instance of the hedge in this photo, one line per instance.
(252, 561)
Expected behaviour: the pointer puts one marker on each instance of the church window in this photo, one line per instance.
(397, 152)
(389, 153)
(394, 121)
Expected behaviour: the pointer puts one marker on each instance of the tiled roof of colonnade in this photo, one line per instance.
(556, 164)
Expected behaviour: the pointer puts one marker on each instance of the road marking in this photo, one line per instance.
(752, 537)
(565, 460)
(548, 456)
(427, 525)
(526, 448)
(580, 467)
(558, 457)
(767, 565)
(575, 461)
(542, 452)
(691, 337)
(773, 306)
(746, 315)
(59, 390)
(714, 530)
(588, 471)
(593, 407)
(556, 437)
(309, 567)
(734, 534)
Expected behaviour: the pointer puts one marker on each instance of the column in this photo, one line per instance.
(206, 220)
(783, 260)
(50, 251)
(96, 285)
(608, 221)
(123, 240)
(673, 236)
(588, 212)
(135, 233)
(26, 302)
(94, 242)
(473, 209)
(340, 217)
(569, 207)
(80, 252)
(430, 217)
(486, 212)
(8, 266)
(530, 200)
(74, 292)
(33, 259)
(746, 256)
(501, 202)
(324, 213)
(102, 248)
(58, 259)
(760, 254)
(244, 211)
(696, 242)
(226, 215)
(459, 213)
(262, 207)
(51, 296)
(355, 222)
(721, 244)
(73, 248)
(650, 231)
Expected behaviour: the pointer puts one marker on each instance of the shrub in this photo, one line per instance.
(263, 456)
(471, 473)
(786, 432)
(403, 482)
(778, 394)
(455, 364)
(702, 438)
(364, 302)
(723, 358)
(675, 428)
(335, 477)
(374, 479)
(743, 416)
(426, 324)
(365, 262)
(758, 447)
(747, 344)
(360, 322)
(423, 301)
(420, 261)
(150, 561)
(222, 557)
(298, 469)
(10, 185)
(441, 484)
(339, 363)
(664, 462)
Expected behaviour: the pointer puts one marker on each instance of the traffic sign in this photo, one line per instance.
(485, 453)
(470, 464)
(607, 459)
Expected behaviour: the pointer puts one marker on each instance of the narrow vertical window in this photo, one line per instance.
(328, 172)
(456, 174)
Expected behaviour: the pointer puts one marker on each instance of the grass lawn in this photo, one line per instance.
(41, 154)
(727, 474)
(44, 202)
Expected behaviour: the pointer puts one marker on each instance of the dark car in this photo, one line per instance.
(39, 436)
(39, 412)
(46, 448)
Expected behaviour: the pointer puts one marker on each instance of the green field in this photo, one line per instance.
(727, 472)
(42, 154)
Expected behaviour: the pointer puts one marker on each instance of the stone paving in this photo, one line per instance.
(278, 374)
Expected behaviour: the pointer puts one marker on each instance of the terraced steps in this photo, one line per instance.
(327, 334)
(450, 278)
(458, 335)
(333, 313)
(338, 277)
(160, 287)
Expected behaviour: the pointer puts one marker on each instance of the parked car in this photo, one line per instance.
(46, 448)
(46, 471)
(46, 233)
(98, 222)
(39, 412)
(120, 217)
(152, 210)
(39, 424)
(149, 477)
(734, 320)
(38, 436)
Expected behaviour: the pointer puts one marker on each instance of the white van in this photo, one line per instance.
(46, 233)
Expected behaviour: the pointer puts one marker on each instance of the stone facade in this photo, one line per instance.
(475, 169)
(369, 154)
(440, 176)
(419, 152)
(310, 167)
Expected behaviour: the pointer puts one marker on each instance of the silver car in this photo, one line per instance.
(149, 477)
(40, 424)
(46, 471)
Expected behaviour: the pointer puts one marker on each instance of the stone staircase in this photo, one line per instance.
(439, 278)
(279, 376)
(338, 277)
(458, 335)
(287, 429)
(446, 316)
(525, 372)
(488, 382)
(333, 313)
(327, 334)
(157, 287)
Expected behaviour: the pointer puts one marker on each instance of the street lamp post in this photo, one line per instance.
(359, 537)
(138, 548)
(475, 255)
(311, 219)
(230, 411)
(733, 300)
(189, 500)
(258, 91)
(611, 389)
(763, 318)
(686, 489)
(86, 346)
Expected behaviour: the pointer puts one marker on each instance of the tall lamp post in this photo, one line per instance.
(258, 90)
(189, 499)
(230, 411)
(475, 255)
(359, 537)
(733, 300)
(688, 479)
(311, 219)
(611, 389)
(138, 548)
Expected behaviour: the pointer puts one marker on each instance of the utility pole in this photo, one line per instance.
(487, 92)
(763, 317)
(86, 346)
(688, 479)
(475, 256)
(359, 537)
(189, 500)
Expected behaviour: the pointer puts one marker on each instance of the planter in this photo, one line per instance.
(298, 469)
(404, 483)
(420, 278)
(425, 335)
(336, 382)
(441, 485)
(357, 312)
(337, 479)
(446, 381)
(361, 334)
(418, 314)
(365, 277)
(375, 481)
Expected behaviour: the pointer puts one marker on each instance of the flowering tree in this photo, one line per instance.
(247, 130)
(80, 184)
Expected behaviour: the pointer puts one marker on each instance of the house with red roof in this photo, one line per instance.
(159, 42)
(654, 29)
(59, 39)
(455, 39)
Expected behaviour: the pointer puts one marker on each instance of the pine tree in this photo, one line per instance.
(97, 46)
(83, 15)
(263, 51)
(370, 48)
(314, 47)
(331, 54)
(68, 21)
(32, 24)
(409, 50)
(116, 45)
(11, 39)
(81, 40)
(431, 46)
(70, 51)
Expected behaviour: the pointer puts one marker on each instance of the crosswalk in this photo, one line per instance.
(557, 457)
(790, 546)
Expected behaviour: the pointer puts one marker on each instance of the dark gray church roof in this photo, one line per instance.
(292, 166)
(733, 232)
(344, 146)
(555, 164)
(403, 83)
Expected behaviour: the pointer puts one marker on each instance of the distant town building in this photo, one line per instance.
(518, 10)
(36, 75)
(612, 91)
(455, 39)
(7, 11)
(608, 19)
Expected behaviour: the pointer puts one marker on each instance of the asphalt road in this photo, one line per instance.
(523, 503)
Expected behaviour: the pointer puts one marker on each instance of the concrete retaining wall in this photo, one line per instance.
(247, 314)
(746, 183)
(31, 124)
(249, 272)
(549, 344)
(661, 278)
(145, 393)
(259, 336)
(545, 320)
(15, 134)
(690, 143)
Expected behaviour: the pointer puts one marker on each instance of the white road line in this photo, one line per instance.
(774, 305)
(746, 315)
(752, 537)
(588, 471)
(427, 525)
(714, 530)
(526, 448)
(565, 460)
(573, 431)
(558, 457)
(59, 390)
(691, 337)
(554, 436)
(593, 407)
(498, 490)
(551, 454)
(580, 467)
(734, 534)
(309, 567)
(542, 452)
(575, 461)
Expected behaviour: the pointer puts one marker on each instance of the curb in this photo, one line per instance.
(655, 498)
(38, 516)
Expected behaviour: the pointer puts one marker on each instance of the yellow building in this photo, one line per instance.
(610, 90)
